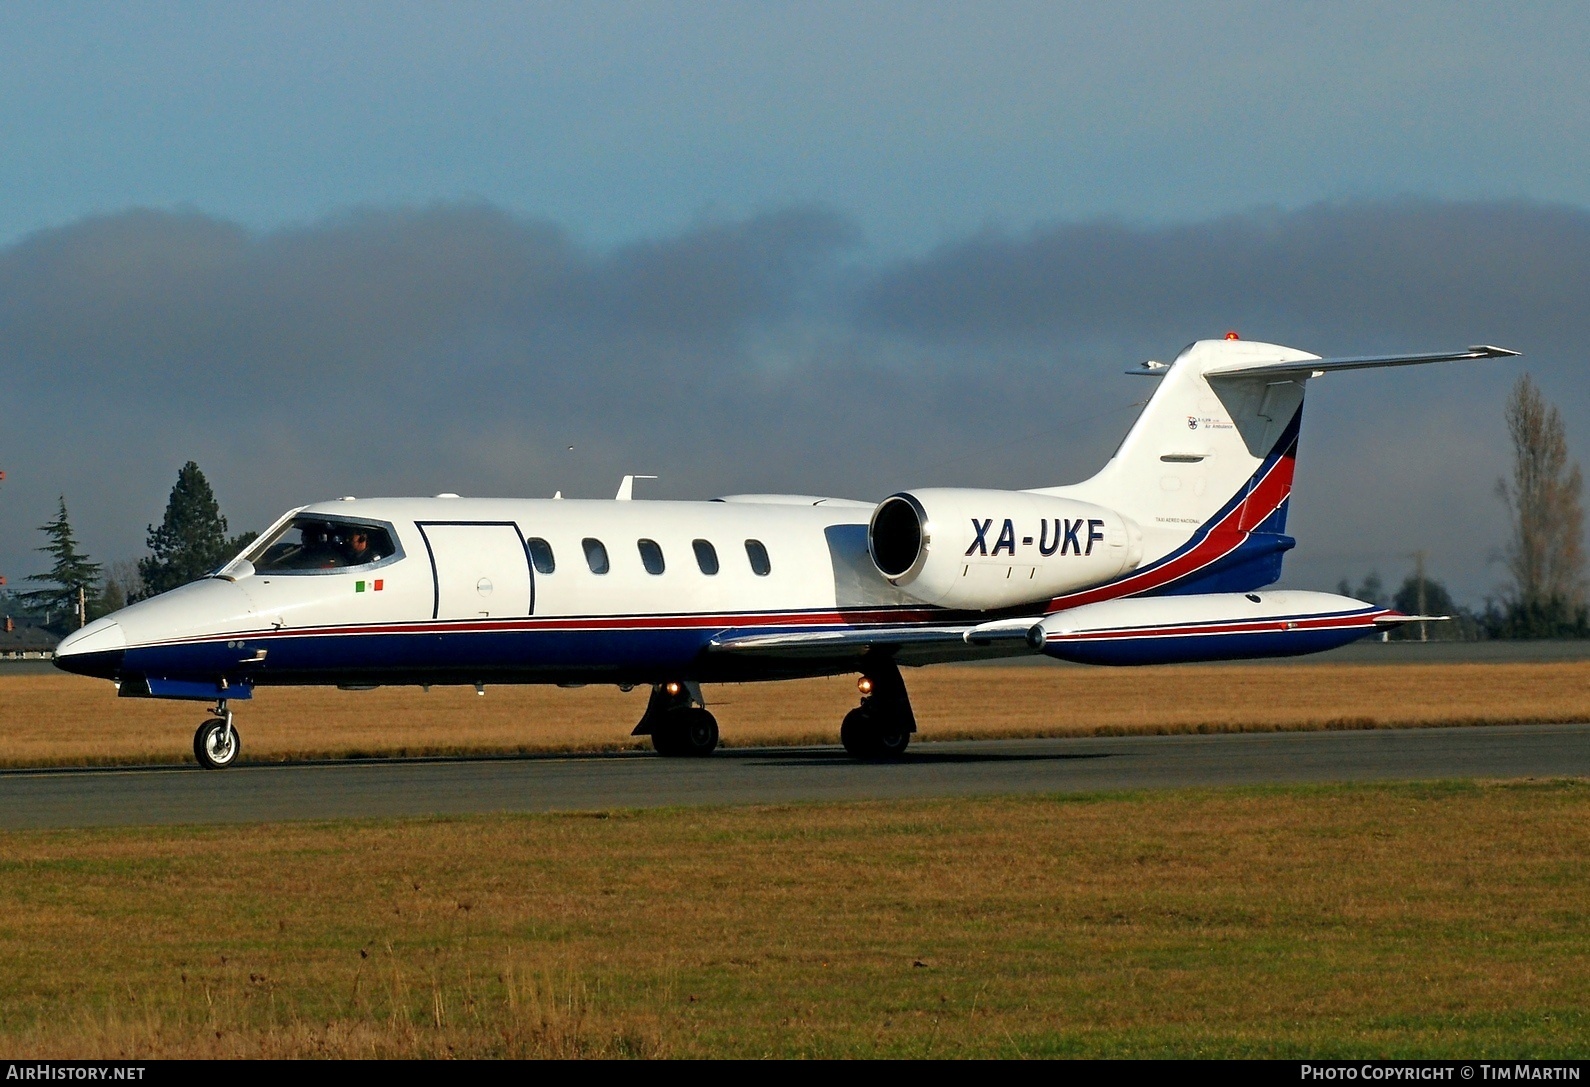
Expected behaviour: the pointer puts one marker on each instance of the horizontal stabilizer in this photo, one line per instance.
(1396, 619)
(1317, 367)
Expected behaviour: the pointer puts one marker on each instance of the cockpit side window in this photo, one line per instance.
(308, 544)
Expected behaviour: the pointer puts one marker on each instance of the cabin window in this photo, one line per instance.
(651, 556)
(541, 555)
(760, 566)
(595, 555)
(313, 544)
(706, 556)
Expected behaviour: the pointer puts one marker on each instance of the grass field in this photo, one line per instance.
(1405, 920)
(68, 720)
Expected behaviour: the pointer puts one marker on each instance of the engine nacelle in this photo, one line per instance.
(981, 550)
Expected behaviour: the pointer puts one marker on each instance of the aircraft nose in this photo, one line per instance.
(96, 650)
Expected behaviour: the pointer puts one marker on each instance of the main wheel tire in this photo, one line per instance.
(699, 733)
(216, 744)
(855, 733)
(685, 732)
(873, 737)
(892, 740)
(665, 739)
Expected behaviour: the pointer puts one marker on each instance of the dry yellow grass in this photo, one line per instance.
(65, 720)
(1392, 920)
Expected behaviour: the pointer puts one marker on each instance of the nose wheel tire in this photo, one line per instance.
(216, 744)
(685, 732)
(875, 737)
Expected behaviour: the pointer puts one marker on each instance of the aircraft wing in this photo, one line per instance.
(1316, 367)
(1003, 637)
(918, 643)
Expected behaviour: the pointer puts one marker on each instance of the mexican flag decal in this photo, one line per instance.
(374, 586)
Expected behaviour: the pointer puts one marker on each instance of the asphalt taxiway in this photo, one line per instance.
(411, 787)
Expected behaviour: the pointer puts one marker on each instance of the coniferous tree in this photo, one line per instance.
(71, 579)
(191, 540)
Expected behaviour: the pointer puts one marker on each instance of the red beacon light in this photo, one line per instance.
(1232, 335)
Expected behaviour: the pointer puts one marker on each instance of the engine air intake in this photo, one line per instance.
(895, 537)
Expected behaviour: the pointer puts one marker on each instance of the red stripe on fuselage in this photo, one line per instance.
(1224, 537)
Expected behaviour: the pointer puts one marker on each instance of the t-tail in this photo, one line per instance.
(1206, 470)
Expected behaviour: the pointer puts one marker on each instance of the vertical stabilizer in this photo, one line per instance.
(1206, 471)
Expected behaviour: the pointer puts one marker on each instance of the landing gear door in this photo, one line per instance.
(480, 568)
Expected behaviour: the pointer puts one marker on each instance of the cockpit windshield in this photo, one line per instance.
(319, 543)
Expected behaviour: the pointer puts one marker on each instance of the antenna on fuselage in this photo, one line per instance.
(626, 488)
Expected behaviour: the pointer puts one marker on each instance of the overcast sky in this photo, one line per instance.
(831, 248)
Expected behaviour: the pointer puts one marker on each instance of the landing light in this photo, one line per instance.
(864, 685)
(673, 688)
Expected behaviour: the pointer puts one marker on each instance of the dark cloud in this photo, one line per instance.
(1332, 274)
(462, 348)
(149, 297)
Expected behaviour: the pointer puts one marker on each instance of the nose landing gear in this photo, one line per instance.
(879, 730)
(677, 721)
(216, 744)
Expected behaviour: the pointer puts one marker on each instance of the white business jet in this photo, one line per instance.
(1161, 557)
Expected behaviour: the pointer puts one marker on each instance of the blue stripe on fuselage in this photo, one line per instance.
(526, 655)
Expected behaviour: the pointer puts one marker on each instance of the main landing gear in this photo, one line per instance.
(677, 721)
(879, 729)
(216, 744)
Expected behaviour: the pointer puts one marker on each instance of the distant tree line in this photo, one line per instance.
(1544, 556)
(190, 542)
(1462, 624)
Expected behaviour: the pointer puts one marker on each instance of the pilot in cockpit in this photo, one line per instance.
(359, 548)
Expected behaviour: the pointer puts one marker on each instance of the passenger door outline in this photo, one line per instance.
(430, 552)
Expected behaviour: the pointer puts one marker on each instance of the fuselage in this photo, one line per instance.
(502, 590)
(465, 590)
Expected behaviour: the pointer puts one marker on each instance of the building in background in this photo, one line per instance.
(24, 639)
